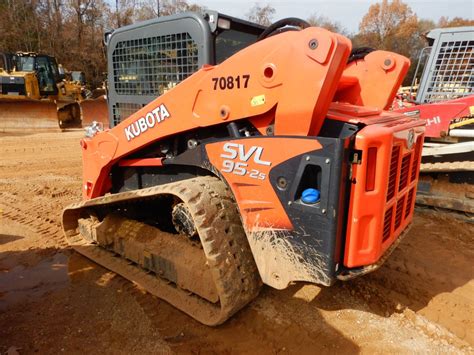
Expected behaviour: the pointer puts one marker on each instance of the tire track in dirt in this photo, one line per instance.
(430, 275)
(40, 175)
(35, 214)
(45, 227)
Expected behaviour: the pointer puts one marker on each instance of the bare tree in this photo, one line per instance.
(455, 22)
(262, 15)
(129, 11)
(325, 22)
(71, 30)
(389, 25)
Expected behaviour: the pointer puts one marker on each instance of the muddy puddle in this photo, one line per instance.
(26, 283)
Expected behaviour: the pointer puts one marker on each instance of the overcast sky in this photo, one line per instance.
(346, 12)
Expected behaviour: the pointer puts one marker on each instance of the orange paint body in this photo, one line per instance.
(288, 92)
(376, 218)
(259, 206)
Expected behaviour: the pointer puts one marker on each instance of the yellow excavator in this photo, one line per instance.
(35, 95)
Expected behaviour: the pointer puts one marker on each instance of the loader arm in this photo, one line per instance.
(374, 80)
(284, 80)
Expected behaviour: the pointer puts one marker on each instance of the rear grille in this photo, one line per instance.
(400, 188)
(393, 172)
(409, 203)
(380, 215)
(399, 213)
(405, 203)
(387, 223)
(404, 172)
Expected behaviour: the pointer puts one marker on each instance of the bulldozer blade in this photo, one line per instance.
(17, 115)
(95, 110)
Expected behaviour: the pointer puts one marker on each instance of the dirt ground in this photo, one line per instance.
(53, 300)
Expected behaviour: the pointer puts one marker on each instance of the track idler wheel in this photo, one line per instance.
(183, 220)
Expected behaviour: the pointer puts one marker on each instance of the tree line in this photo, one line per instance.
(71, 30)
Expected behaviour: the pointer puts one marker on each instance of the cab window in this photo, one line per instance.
(45, 75)
(230, 42)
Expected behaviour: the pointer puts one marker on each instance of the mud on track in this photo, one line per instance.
(53, 300)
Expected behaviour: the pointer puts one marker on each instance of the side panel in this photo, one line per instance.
(246, 164)
(290, 240)
(378, 77)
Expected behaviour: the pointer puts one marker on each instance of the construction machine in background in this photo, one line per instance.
(239, 154)
(93, 102)
(444, 97)
(34, 94)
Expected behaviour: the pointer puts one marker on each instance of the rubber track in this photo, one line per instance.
(222, 236)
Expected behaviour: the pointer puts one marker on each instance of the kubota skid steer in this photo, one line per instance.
(245, 171)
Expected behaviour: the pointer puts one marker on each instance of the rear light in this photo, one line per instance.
(88, 188)
(371, 168)
(415, 165)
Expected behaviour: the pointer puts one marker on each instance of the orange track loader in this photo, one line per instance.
(275, 165)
